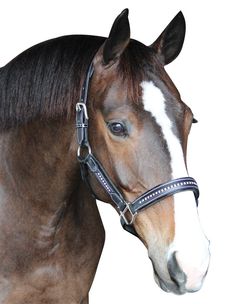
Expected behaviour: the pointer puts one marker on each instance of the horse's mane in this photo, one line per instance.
(44, 81)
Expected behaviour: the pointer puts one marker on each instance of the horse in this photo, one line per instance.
(85, 117)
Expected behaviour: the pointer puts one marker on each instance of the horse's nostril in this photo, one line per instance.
(175, 272)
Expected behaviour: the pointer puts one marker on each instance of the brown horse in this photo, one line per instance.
(51, 233)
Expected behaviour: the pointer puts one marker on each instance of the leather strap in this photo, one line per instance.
(82, 115)
(98, 171)
(164, 190)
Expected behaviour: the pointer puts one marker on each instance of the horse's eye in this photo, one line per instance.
(117, 128)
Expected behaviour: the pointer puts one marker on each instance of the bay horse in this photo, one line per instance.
(51, 233)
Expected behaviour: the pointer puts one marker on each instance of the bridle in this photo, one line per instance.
(89, 164)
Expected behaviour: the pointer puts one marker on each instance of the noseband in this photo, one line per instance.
(89, 163)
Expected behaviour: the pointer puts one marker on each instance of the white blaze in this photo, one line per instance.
(189, 240)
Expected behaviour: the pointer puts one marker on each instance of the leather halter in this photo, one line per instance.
(89, 163)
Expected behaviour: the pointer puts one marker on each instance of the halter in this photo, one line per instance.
(88, 162)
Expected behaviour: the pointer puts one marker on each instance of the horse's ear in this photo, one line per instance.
(118, 39)
(169, 44)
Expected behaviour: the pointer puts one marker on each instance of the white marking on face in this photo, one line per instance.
(154, 103)
(189, 240)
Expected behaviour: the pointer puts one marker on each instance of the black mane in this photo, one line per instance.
(44, 81)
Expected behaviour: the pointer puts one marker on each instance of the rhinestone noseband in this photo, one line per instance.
(89, 164)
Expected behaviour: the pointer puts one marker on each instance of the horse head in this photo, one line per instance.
(138, 130)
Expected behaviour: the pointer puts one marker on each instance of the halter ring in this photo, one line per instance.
(81, 158)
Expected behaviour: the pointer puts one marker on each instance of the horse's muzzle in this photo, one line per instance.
(178, 282)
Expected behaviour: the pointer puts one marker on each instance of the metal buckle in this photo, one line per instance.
(81, 123)
(123, 215)
(82, 106)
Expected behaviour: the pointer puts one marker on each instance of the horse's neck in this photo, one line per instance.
(46, 212)
(37, 176)
(37, 162)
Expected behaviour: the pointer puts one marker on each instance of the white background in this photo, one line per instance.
(204, 74)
